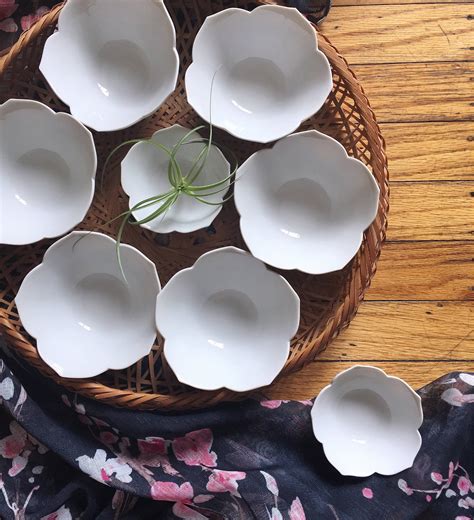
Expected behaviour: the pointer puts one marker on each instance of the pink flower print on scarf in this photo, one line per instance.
(296, 511)
(171, 492)
(223, 481)
(194, 449)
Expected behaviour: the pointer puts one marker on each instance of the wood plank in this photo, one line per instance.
(431, 211)
(430, 151)
(424, 271)
(419, 91)
(309, 381)
(403, 330)
(395, 34)
(339, 3)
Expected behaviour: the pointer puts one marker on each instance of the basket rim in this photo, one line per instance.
(343, 311)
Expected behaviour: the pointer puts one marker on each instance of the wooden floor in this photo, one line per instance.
(415, 61)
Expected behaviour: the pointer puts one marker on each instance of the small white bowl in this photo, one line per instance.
(368, 422)
(113, 63)
(47, 172)
(304, 204)
(145, 174)
(266, 72)
(227, 322)
(85, 317)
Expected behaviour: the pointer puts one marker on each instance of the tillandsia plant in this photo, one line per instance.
(181, 183)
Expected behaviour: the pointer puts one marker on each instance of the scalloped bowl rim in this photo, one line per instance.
(292, 264)
(305, 114)
(174, 225)
(293, 325)
(36, 334)
(93, 156)
(317, 416)
(69, 100)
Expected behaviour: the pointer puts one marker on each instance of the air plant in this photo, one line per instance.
(181, 184)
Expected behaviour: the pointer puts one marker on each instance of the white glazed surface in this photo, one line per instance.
(266, 72)
(47, 170)
(145, 174)
(227, 321)
(112, 64)
(304, 204)
(368, 422)
(85, 317)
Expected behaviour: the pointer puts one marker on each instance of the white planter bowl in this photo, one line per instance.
(85, 317)
(47, 170)
(266, 72)
(368, 422)
(145, 174)
(304, 204)
(113, 62)
(227, 322)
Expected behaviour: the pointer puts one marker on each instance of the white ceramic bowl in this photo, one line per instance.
(304, 204)
(227, 322)
(368, 422)
(145, 174)
(47, 171)
(85, 317)
(265, 69)
(112, 61)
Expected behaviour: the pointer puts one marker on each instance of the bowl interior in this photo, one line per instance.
(99, 300)
(230, 303)
(298, 209)
(37, 180)
(228, 319)
(83, 273)
(247, 92)
(366, 414)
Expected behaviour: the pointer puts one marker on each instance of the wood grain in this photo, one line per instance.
(417, 319)
(309, 381)
(404, 330)
(431, 211)
(419, 91)
(430, 151)
(395, 34)
(424, 271)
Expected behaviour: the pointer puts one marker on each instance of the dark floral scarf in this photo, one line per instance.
(64, 457)
(18, 16)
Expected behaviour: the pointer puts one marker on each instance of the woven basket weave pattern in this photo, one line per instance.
(328, 302)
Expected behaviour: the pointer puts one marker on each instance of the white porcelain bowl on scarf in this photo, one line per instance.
(368, 422)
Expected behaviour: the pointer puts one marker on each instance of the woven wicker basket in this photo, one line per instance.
(328, 302)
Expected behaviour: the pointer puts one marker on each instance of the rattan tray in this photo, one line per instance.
(328, 302)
